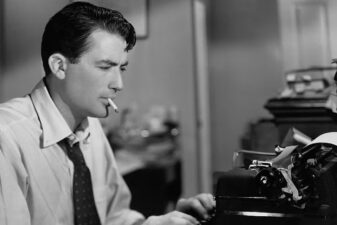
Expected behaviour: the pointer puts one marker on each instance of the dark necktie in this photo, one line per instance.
(83, 197)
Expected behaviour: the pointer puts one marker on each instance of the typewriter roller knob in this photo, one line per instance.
(270, 181)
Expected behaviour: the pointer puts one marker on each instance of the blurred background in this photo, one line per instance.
(206, 77)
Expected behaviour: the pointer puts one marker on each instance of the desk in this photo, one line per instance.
(154, 180)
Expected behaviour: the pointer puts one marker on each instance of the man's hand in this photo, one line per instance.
(201, 206)
(190, 211)
(172, 218)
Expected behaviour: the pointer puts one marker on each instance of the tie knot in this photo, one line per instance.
(75, 154)
(71, 140)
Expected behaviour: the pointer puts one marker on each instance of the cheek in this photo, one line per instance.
(87, 83)
(84, 81)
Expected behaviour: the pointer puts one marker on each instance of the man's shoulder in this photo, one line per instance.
(16, 110)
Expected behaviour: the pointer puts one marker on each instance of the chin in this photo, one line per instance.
(100, 113)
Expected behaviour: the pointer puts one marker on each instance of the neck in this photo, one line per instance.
(72, 118)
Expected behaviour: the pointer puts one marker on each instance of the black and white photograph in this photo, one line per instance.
(168, 112)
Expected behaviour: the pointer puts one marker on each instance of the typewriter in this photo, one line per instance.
(297, 186)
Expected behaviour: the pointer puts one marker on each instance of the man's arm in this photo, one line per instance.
(13, 206)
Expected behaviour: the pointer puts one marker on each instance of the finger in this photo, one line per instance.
(182, 218)
(172, 218)
(183, 221)
(207, 200)
(197, 208)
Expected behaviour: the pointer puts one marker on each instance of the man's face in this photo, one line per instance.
(97, 75)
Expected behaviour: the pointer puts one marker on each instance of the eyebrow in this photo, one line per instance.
(109, 62)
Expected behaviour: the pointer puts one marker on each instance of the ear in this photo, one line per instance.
(58, 65)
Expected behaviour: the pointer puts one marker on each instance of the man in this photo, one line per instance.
(56, 166)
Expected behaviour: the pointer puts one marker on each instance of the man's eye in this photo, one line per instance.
(104, 67)
(123, 69)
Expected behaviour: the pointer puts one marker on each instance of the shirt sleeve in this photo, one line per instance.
(117, 193)
(13, 206)
(120, 212)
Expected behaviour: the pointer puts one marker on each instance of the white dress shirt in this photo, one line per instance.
(36, 174)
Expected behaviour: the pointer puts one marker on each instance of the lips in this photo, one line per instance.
(111, 97)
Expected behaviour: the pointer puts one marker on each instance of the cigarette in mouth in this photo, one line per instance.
(113, 105)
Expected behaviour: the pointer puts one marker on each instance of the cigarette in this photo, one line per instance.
(113, 105)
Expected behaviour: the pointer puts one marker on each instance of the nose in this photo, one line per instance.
(116, 82)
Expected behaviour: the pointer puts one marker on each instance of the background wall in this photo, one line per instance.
(23, 27)
(245, 69)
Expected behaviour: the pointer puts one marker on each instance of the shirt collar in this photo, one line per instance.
(54, 127)
(81, 134)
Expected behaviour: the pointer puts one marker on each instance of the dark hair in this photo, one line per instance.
(68, 30)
